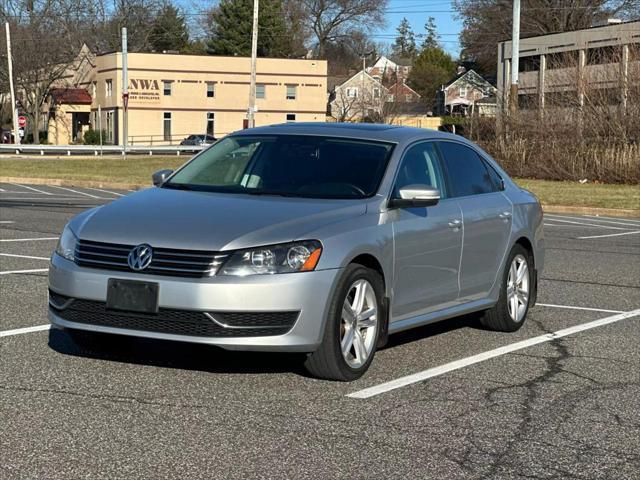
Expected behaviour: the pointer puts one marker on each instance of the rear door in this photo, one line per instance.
(486, 215)
(427, 240)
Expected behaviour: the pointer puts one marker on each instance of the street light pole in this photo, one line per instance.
(14, 110)
(515, 58)
(251, 113)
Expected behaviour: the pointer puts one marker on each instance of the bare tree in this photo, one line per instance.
(332, 20)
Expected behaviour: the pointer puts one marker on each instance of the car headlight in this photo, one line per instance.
(283, 258)
(67, 244)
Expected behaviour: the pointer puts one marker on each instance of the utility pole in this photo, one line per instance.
(14, 110)
(364, 67)
(515, 58)
(125, 92)
(251, 112)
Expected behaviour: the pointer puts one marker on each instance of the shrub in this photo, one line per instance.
(92, 137)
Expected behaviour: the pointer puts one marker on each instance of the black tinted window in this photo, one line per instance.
(466, 170)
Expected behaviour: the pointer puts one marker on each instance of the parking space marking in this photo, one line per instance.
(106, 191)
(6, 222)
(610, 235)
(27, 239)
(571, 307)
(19, 331)
(630, 221)
(22, 256)
(615, 222)
(31, 188)
(76, 191)
(590, 224)
(35, 270)
(481, 357)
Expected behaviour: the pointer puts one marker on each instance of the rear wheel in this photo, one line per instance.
(510, 312)
(351, 333)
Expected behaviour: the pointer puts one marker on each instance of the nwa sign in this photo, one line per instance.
(143, 90)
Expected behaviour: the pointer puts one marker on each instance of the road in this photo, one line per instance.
(558, 406)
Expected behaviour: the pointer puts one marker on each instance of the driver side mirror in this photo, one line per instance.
(416, 196)
(160, 177)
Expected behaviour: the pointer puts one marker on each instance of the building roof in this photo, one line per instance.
(468, 73)
(70, 96)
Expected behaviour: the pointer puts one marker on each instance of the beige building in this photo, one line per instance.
(172, 96)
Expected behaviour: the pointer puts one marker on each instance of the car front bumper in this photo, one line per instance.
(308, 293)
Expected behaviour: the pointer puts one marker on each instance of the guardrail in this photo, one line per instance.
(97, 149)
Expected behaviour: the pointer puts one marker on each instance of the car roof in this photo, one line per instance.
(364, 131)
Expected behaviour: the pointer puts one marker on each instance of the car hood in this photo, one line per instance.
(210, 221)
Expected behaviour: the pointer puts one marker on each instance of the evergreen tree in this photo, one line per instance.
(231, 24)
(431, 69)
(405, 43)
(431, 37)
(169, 30)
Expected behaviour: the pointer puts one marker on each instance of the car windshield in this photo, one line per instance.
(287, 165)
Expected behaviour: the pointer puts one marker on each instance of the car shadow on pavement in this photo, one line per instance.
(179, 355)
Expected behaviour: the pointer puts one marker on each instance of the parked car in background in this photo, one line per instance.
(198, 140)
(307, 237)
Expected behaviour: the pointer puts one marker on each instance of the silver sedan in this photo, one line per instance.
(315, 238)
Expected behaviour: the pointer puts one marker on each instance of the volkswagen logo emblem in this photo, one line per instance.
(140, 257)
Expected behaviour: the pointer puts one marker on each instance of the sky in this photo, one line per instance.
(417, 12)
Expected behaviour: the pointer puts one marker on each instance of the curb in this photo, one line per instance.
(614, 212)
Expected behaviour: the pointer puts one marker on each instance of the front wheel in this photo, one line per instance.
(510, 312)
(351, 333)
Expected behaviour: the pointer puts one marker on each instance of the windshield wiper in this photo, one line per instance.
(177, 186)
(270, 192)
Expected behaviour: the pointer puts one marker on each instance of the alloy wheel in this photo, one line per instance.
(359, 323)
(518, 288)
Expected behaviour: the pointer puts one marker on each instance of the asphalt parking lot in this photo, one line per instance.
(558, 399)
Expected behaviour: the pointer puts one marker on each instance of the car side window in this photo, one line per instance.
(496, 179)
(420, 165)
(466, 171)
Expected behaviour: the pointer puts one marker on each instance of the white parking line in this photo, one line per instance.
(19, 331)
(610, 235)
(22, 256)
(36, 270)
(6, 222)
(27, 239)
(31, 188)
(589, 224)
(631, 221)
(481, 357)
(615, 222)
(75, 191)
(106, 191)
(571, 307)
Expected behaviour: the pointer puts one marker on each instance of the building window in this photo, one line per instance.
(108, 88)
(211, 118)
(463, 92)
(166, 88)
(408, 97)
(352, 92)
(211, 90)
(167, 126)
(93, 89)
(260, 91)
(110, 126)
(376, 93)
(291, 117)
(291, 92)
(390, 98)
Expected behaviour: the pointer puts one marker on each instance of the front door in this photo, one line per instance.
(427, 240)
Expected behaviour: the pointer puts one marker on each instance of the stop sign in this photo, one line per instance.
(22, 121)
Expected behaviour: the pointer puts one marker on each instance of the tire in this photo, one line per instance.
(328, 361)
(500, 317)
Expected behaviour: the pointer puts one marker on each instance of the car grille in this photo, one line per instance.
(166, 261)
(177, 322)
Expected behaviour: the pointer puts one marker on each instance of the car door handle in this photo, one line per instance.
(505, 215)
(455, 223)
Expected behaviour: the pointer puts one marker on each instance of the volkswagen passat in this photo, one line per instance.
(316, 238)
